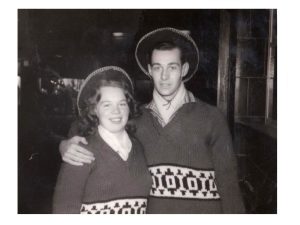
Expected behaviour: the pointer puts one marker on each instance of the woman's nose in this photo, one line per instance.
(116, 110)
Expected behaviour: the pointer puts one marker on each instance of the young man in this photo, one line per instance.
(187, 142)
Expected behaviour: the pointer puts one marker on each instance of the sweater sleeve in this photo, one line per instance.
(74, 129)
(225, 164)
(70, 187)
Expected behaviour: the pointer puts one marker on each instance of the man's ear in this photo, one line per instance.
(185, 69)
(149, 69)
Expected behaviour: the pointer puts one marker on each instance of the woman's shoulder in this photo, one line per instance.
(135, 142)
(132, 138)
(94, 142)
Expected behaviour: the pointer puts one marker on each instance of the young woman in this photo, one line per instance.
(118, 180)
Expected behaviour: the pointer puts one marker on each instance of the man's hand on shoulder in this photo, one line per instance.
(73, 153)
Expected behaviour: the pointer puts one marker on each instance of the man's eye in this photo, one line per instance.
(173, 67)
(156, 68)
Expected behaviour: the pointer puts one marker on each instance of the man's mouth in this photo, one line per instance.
(164, 85)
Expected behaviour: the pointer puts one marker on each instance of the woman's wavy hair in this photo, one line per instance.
(88, 121)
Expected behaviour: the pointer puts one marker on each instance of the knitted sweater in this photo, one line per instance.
(108, 185)
(191, 161)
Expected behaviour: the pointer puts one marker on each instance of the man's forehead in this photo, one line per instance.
(169, 63)
(174, 50)
(172, 55)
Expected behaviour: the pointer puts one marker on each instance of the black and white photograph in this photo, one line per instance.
(147, 111)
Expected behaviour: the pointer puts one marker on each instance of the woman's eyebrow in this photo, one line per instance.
(104, 101)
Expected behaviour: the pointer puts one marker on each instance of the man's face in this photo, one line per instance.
(167, 71)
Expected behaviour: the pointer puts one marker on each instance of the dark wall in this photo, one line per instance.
(257, 153)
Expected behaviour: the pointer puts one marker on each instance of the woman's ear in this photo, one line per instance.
(185, 69)
(94, 111)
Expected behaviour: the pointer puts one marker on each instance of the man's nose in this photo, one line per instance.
(164, 74)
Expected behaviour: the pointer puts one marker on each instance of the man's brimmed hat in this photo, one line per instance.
(168, 34)
(92, 81)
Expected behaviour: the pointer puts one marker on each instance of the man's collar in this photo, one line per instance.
(189, 97)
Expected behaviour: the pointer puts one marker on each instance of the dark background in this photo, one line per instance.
(58, 44)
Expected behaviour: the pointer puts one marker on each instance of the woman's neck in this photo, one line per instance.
(118, 135)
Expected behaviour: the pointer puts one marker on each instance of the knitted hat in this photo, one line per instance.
(168, 34)
(92, 80)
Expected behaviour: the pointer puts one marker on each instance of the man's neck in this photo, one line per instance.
(180, 90)
(166, 108)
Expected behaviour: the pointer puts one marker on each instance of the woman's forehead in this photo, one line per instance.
(110, 92)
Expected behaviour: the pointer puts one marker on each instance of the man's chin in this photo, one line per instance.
(164, 92)
(167, 97)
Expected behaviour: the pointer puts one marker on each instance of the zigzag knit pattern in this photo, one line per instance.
(182, 182)
(120, 206)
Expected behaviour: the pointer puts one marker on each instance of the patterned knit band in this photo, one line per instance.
(120, 206)
(171, 181)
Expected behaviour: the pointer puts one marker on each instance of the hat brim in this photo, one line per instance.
(92, 80)
(168, 34)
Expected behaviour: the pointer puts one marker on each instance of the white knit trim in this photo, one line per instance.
(169, 181)
(120, 206)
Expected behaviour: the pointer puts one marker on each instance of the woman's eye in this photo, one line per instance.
(123, 104)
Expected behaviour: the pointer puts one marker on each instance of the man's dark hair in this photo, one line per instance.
(167, 45)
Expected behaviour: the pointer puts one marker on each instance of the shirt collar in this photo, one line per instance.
(122, 145)
(188, 98)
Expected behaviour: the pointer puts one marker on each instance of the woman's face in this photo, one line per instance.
(112, 110)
